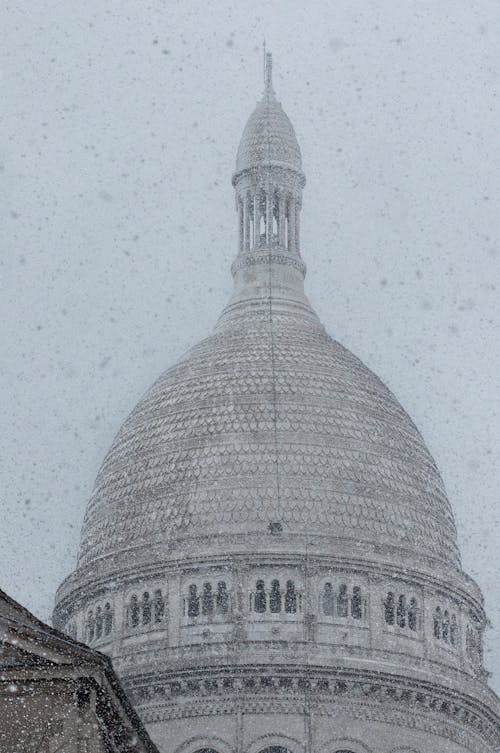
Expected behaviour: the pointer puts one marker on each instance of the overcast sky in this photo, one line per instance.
(119, 130)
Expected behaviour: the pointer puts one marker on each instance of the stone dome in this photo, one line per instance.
(270, 423)
(268, 138)
(269, 533)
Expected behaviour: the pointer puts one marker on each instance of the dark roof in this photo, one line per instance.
(45, 638)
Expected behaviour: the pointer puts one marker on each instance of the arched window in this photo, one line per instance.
(453, 631)
(134, 611)
(389, 609)
(108, 619)
(146, 608)
(342, 601)
(158, 606)
(437, 622)
(275, 211)
(275, 749)
(401, 612)
(98, 622)
(445, 631)
(193, 601)
(290, 598)
(90, 627)
(207, 599)
(412, 614)
(260, 597)
(328, 600)
(275, 597)
(222, 598)
(356, 605)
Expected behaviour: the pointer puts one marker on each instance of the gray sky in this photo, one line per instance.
(118, 136)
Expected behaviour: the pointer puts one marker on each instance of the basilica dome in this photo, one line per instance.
(269, 555)
(270, 425)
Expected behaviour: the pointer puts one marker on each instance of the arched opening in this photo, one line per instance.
(356, 605)
(401, 612)
(146, 608)
(275, 749)
(275, 216)
(98, 622)
(108, 619)
(222, 598)
(453, 631)
(193, 601)
(342, 601)
(159, 606)
(90, 627)
(328, 600)
(389, 610)
(260, 597)
(437, 622)
(275, 597)
(412, 615)
(134, 611)
(207, 599)
(290, 597)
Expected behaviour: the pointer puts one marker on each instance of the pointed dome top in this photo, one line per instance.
(268, 137)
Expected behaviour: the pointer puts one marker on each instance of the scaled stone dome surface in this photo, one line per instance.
(268, 137)
(270, 420)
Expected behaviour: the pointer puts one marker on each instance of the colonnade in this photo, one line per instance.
(267, 218)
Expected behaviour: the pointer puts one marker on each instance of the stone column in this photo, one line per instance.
(281, 220)
(256, 219)
(240, 226)
(297, 230)
(246, 225)
(291, 227)
(269, 216)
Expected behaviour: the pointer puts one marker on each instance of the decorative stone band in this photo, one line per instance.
(377, 695)
(249, 260)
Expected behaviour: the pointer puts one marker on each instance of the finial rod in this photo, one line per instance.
(268, 70)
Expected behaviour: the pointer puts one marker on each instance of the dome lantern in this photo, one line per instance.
(268, 178)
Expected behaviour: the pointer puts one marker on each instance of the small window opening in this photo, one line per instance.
(445, 631)
(207, 599)
(342, 601)
(134, 611)
(159, 606)
(290, 598)
(401, 612)
(108, 619)
(193, 601)
(98, 622)
(328, 600)
(222, 598)
(356, 606)
(389, 608)
(146, 608)
(412, 615)
(275, 597)
(437, 622)
(260, 597)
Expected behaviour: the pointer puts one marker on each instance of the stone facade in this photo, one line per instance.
(59, 696)
(269, 555)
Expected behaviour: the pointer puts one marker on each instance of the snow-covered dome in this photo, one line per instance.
(268, 138)
(269, 423)
(269, 555)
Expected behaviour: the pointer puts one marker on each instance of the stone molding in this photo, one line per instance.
(374, 696)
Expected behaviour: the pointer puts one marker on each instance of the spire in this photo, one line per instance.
(268, 71)
(268, 183)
